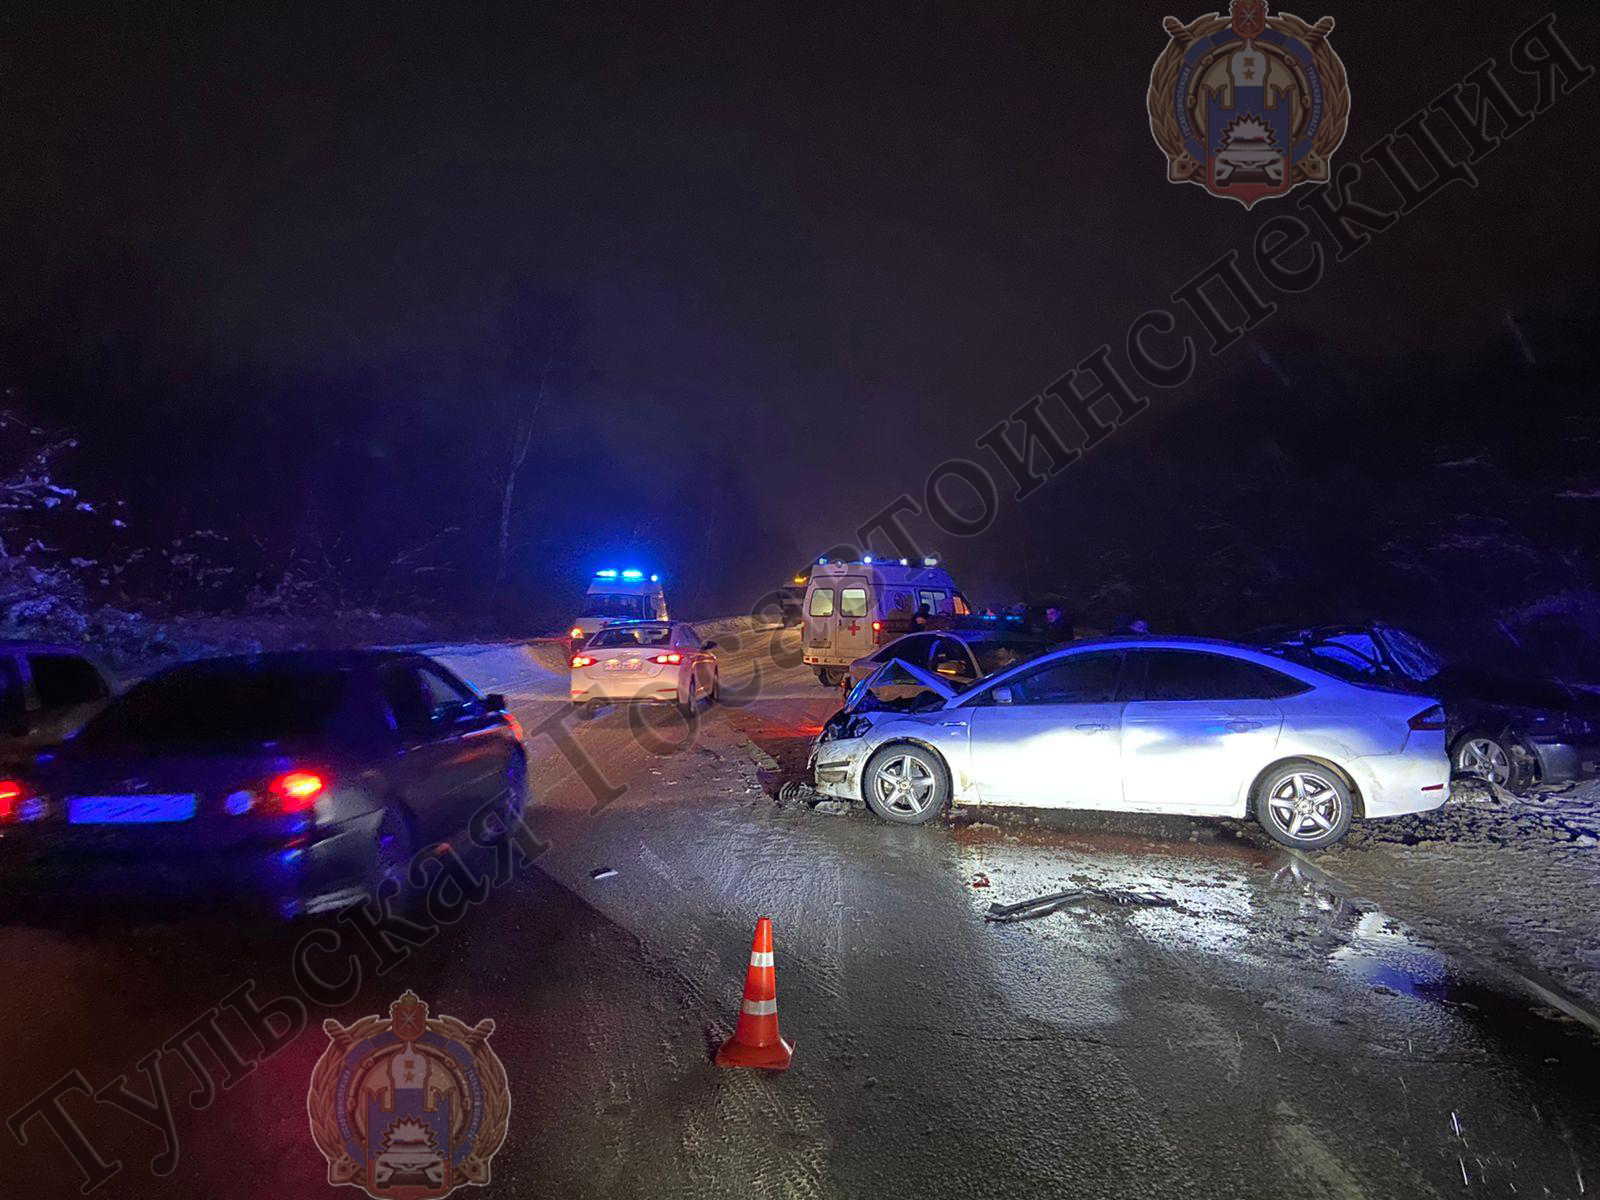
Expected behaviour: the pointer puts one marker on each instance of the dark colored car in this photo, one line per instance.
(47, 692)
(1513, 729)
(296, 781)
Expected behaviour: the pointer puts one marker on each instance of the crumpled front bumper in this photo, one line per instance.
(836, 767)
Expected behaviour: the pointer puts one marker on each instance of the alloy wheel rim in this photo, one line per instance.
(1485, 758)
(1305, 806)
(905, 784)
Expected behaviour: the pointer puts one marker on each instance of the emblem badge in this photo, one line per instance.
(1250, 105)
(410, 1107)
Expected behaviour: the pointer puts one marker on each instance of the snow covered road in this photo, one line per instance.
(1270, 1033)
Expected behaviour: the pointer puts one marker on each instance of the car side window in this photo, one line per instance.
(404, 694)
(853, 602)
(64, 680)
(688, 638)
(821, 602)
(933, 599)
(1200, 675)
(913, 649)
(448, 699)
(422, 698)
(1077, 679)
(951, 659)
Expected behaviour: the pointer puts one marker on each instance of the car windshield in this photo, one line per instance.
(207, 704)
(608, 604)
(631, 635)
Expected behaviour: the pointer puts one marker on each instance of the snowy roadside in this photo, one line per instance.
(1515, 877)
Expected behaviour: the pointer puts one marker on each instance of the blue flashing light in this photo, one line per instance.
(607, 574)
(655, 579)
(866, 558)
(630, 573)
(905, 562)
(822, 562)
(930, 561)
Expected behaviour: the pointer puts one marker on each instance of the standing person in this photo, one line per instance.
(1057, 625)
(1125, 625)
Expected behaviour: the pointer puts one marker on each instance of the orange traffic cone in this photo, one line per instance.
(755, 1041)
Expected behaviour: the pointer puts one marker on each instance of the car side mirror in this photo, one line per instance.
(709, 646)
(1002, 695)
(494, 702)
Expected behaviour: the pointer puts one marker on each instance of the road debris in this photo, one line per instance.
(602, 873)
(1043, 906)
(982, 881)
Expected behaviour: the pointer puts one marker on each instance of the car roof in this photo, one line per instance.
(305, 659)
(1139, 641)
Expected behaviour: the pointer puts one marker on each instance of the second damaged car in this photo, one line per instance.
(1152, 725)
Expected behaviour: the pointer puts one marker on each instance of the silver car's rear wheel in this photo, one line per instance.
(1304, 805)
(905, 784)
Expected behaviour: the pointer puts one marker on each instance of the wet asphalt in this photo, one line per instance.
(1271, 1033)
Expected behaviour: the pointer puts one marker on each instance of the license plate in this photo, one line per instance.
(132, 810)
(624, 664)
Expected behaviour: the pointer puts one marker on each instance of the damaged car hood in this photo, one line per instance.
(862, 707)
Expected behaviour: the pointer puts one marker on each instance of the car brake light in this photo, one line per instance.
(12, 794)
(667, 660)
(583, 660)
(1428, 718)
(514, 725)
(295, 791)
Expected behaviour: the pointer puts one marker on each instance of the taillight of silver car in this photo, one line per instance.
(1429, 718)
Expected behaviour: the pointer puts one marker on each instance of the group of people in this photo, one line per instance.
(1053, 621)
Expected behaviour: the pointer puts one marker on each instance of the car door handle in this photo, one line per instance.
(1240, 725)
(954, 724)
(1092, 727)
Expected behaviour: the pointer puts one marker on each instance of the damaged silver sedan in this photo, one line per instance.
(1154, 725)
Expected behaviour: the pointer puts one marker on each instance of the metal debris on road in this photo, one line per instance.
(1043, 906)
(982, 881)
(797, 791)
(602, 873)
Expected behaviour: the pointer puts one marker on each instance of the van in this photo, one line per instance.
(852, 606)
(626, 595)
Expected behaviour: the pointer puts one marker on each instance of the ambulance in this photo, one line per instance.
(851, 607)
(628, 594)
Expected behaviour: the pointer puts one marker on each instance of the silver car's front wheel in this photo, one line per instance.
(1303, 804)
(905, 784)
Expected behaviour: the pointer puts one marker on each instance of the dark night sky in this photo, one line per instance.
(796, 233)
